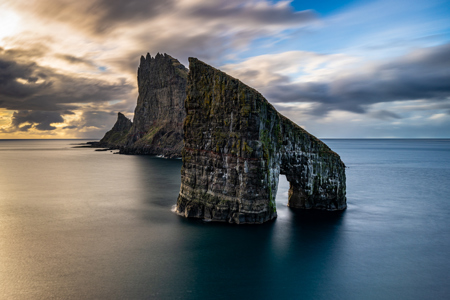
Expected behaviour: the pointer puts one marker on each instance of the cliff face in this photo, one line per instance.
(237, 144)
(159, 114)
(117, 136)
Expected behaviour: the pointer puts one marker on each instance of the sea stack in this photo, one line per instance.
(237, 145)
(159, 114)
(157, 127)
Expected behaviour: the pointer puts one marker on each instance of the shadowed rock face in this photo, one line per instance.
(237, 144)
(159, 114)
(117, 136)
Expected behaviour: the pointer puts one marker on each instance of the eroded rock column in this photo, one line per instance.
(159, 113)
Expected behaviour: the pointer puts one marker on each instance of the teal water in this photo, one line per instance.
(80, 224)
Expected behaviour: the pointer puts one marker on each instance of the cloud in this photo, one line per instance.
(41, 95)
(75, 60)
(29, 86)
(32, 50)
(438, 116)
(384, 115)
(90, 123)
(101, 17)
(422, 74)
(116, 33)
(252, 13)
(40, 120)
(98, 17)
(99, 119)
(82, 56)
(205, 29)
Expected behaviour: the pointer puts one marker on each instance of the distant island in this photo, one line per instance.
(235, 144)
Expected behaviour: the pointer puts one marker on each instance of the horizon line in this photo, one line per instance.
(324, 138)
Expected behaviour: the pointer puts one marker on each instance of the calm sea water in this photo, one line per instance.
(80, 224)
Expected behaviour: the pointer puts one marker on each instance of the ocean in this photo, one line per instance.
(81, 224)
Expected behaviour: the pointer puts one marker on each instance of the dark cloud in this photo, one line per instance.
(24, 120)
(75, 60)
(96, 120)
(40, 96)
(23, 128)
(384, 115)
(32, 49)
(119, 11)
(29, 86)
(11, 88)
(251, 74)
(263, 14)
(421, 75)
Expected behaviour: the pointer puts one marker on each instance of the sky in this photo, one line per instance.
(339, 68)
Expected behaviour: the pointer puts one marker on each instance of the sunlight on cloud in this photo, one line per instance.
(294, 66)
(9, 23)
(28, 82)
(305, 106)
(5, 118)
(438, 116)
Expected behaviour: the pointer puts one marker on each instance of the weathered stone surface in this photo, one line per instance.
(117, 136)
(159, 114)
(237, 144)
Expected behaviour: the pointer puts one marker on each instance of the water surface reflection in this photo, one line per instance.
(79, 224)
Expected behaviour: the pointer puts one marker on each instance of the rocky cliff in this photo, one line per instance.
(157, 126)
(159, 114)
(237, 144)
(117, 136)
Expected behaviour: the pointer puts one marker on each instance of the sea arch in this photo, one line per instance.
(235, 147)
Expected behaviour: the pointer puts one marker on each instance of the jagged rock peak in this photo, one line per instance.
(117, 136)
(160, 65)
(122, 123)
(148, 59)
(237, 145)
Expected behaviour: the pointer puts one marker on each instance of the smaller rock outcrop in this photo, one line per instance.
(116, 137)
